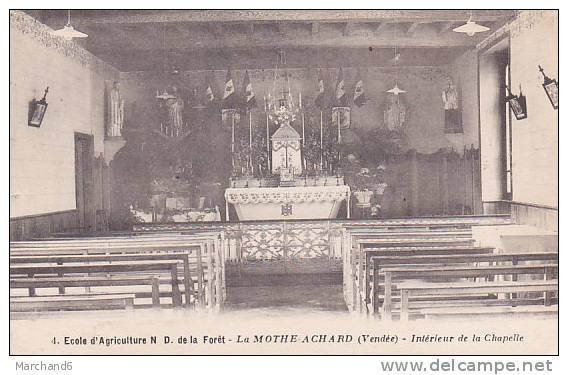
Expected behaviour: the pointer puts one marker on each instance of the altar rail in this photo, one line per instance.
(303, 239)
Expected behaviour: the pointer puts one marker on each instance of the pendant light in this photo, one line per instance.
(68, 32)
(470, 27)
(395, 90)
(164, 95)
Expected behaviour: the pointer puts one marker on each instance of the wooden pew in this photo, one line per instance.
(74, 303)
(420, 289)
(209, 248)
(392, 274)
(65, 259)
(356, 237)
(432, 260)
(361, 272)
(88, 269)
(31, 284)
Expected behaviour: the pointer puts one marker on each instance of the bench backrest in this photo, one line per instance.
(473, 258)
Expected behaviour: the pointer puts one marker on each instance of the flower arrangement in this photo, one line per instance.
(372, 180)
(282, 115)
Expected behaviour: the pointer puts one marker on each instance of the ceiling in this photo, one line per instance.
(149, 40)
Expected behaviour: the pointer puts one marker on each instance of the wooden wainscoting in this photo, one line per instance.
(36, 226)
(540, 216)
(536, 215)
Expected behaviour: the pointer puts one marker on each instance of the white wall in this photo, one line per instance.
(42, 174)
(534, 41)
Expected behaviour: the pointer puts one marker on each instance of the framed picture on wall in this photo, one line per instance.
(341, 117)
(518, 104)
(37, 111)
(551, 89)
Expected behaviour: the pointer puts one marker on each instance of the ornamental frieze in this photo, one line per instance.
(29, 26)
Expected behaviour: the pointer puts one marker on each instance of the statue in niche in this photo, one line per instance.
(452, 114)
(116, 111)
(175, 108)
(394, 114)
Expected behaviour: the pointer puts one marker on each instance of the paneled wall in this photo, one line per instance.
(432, 184)
(38, 226)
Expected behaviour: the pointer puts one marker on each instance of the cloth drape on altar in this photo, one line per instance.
(290, 203)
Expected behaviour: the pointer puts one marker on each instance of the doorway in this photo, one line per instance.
(84, 182)
(495, 126)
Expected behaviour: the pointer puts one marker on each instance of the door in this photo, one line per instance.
(84, 182)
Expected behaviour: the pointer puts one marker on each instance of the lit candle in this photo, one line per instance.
(300, 99)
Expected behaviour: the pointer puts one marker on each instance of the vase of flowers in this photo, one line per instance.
(282, 115)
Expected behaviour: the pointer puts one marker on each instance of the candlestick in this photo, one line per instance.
(321, 138)
(303, 131)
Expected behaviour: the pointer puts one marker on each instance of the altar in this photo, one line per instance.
(289, 203)
(288, 193)
(274, 179)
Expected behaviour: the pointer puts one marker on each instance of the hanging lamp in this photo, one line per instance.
(68, 32)
(164, 95)
(395, 90)
(470, 28)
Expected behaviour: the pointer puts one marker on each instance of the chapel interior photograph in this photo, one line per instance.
(399, 166)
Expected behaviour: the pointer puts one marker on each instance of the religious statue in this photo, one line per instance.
(116, 112)
(394, 114)
(175, 108)
(452, 120)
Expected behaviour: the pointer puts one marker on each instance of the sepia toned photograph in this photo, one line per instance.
(283, 182)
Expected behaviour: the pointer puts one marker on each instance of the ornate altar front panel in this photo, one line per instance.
(290, 203)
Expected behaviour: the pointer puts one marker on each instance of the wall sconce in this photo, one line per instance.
(37, 110)
(517, 103)
(551, 88)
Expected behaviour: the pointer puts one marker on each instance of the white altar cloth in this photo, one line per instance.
(287, 203)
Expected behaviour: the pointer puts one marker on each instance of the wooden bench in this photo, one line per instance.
(208, 247)
(361, 272)
(89, 269)
(390, 274)
(364, 271)
(73, 303)
(64, 259)
(408, 290)
(381, 261)
(473, 311)
(31, 284)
